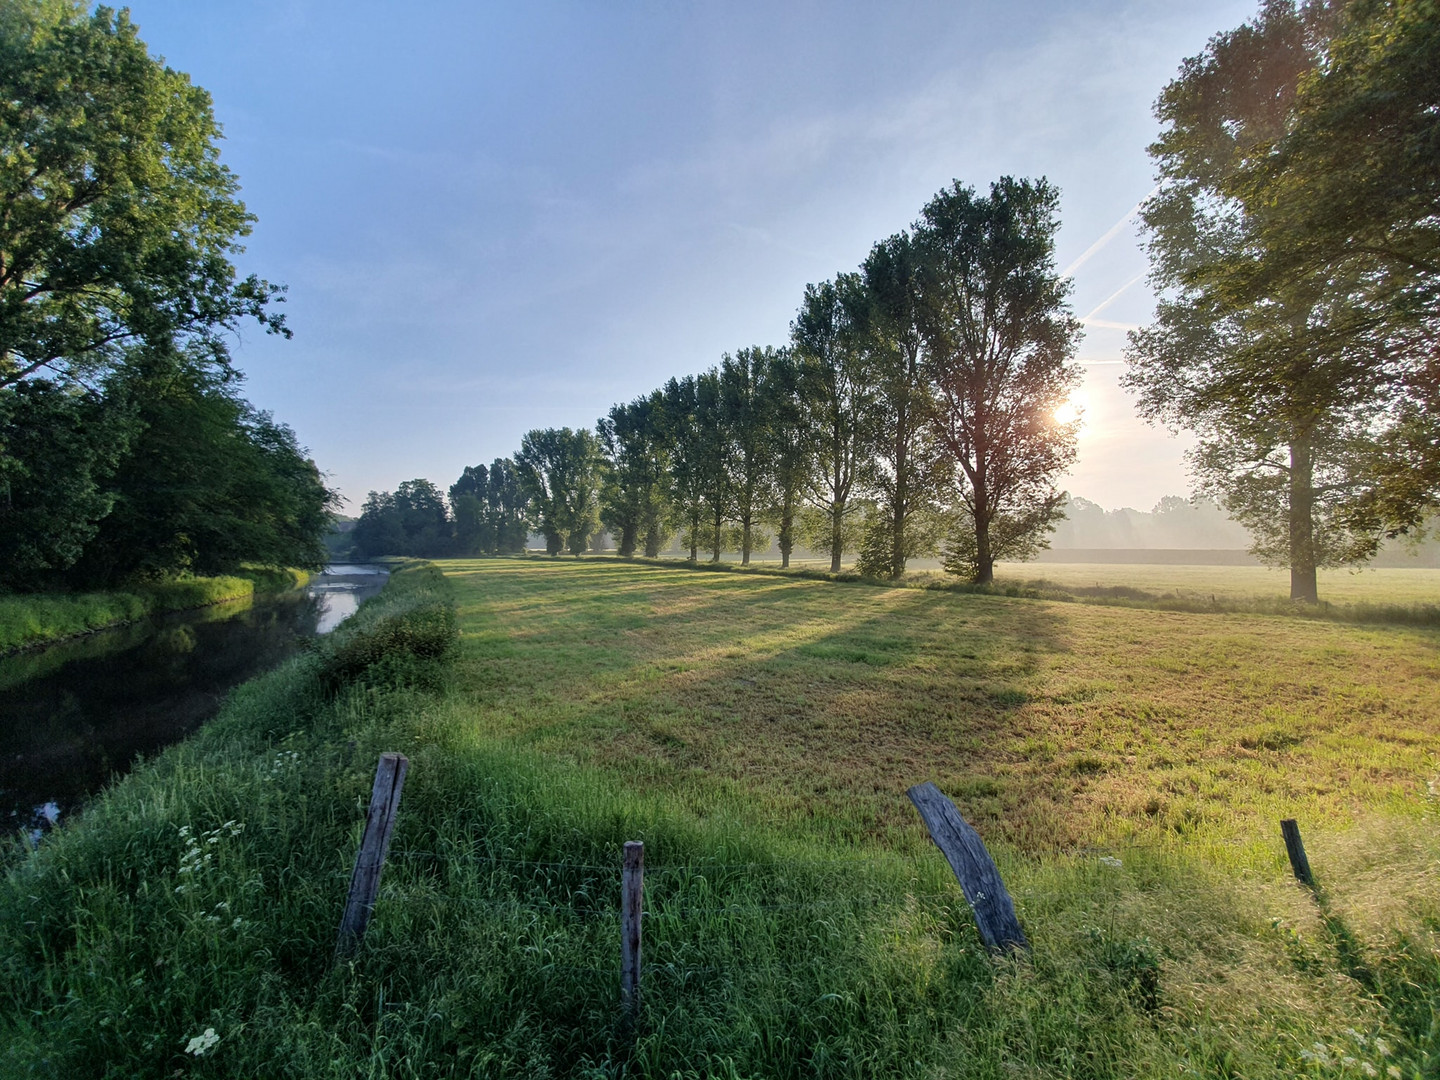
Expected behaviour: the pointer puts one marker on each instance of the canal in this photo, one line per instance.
(80, 712)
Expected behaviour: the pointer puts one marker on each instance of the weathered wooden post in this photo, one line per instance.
(374, 845)
(973, 866)
(632, 883)
(1296, 850)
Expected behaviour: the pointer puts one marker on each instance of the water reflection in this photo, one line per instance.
(75, 714)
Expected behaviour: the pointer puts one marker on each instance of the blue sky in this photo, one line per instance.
(499, 217)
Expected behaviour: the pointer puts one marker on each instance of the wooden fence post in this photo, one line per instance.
(632, 882)
(973, 866)
(1296, 850)
(374, 845)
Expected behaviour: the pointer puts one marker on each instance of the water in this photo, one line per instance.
(76, 714)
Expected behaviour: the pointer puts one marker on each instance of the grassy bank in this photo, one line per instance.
(38, 618)
(758, 733)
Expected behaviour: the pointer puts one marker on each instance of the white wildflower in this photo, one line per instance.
(239, 922)
(1382, 1047)
(1348, 1061)
(1111, 861)
(1368, 1069)
(1392, 1071)
(202, 1043)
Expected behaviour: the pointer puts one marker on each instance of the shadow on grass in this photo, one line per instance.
(1111, 595)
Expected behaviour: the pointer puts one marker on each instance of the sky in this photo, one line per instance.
(492, 218)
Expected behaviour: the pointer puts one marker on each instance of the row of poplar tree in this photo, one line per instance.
(913, 410)
(1294, 241)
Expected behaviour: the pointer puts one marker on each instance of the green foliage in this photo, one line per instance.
(1348, 191)
(912, 474)
(1000, 340)
(1273, 353)
(125, 451)
(59, 448)
(634, 502)
(120, 220)
(559, 471)
(413, 624)
(208, 484)
(747, 418)
(827, 336)
(410, 521)
(1014, 537)
(489, 510)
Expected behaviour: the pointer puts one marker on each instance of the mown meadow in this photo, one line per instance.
(1127, 767)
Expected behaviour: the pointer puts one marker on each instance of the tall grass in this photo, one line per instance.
(36, 619)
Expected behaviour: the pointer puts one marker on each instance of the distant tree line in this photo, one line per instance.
(912, 412)
(126, 449)
(1295, 252)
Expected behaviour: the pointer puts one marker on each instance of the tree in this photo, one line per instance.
(791, 449)
(423, 516)
(746, 416)
(999, 343)
(119, 220)
(1347, 189)
(506, 507)
(379, 530)
(59, 448)
(559, 470)
(909, 469)
(714, 455)
(633, 503)
(686, 479)
(1285, 402)
(208, 483)
(469, 505)
(826, 339)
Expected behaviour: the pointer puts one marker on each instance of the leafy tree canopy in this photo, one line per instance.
(118, 220)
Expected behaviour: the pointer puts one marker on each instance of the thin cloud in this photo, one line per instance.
(1110, 234)
(1112, 297)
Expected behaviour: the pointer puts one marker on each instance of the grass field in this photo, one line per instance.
(1385, 585)
(1127, 768)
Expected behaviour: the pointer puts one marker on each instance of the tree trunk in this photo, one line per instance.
(745, 542)
(984, 558)
(628, 538)
(719, 527)
(786, 540)
(652, 541)
(837, 540)
(1303, 585)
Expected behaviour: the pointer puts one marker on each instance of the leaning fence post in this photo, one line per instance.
(632, 882)
(973, 866)
(370, 859)
(1296, 850)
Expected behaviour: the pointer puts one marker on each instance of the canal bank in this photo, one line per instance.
(197, 892)
(36, 620)
(76, 713)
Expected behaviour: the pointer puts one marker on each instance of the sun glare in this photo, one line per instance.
(1073, 409)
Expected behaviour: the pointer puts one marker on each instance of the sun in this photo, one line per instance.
(1073, 409)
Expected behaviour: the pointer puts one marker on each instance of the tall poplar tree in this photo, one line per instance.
(909, 462)
(827, 340)
(746, 415)
(999, 345)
